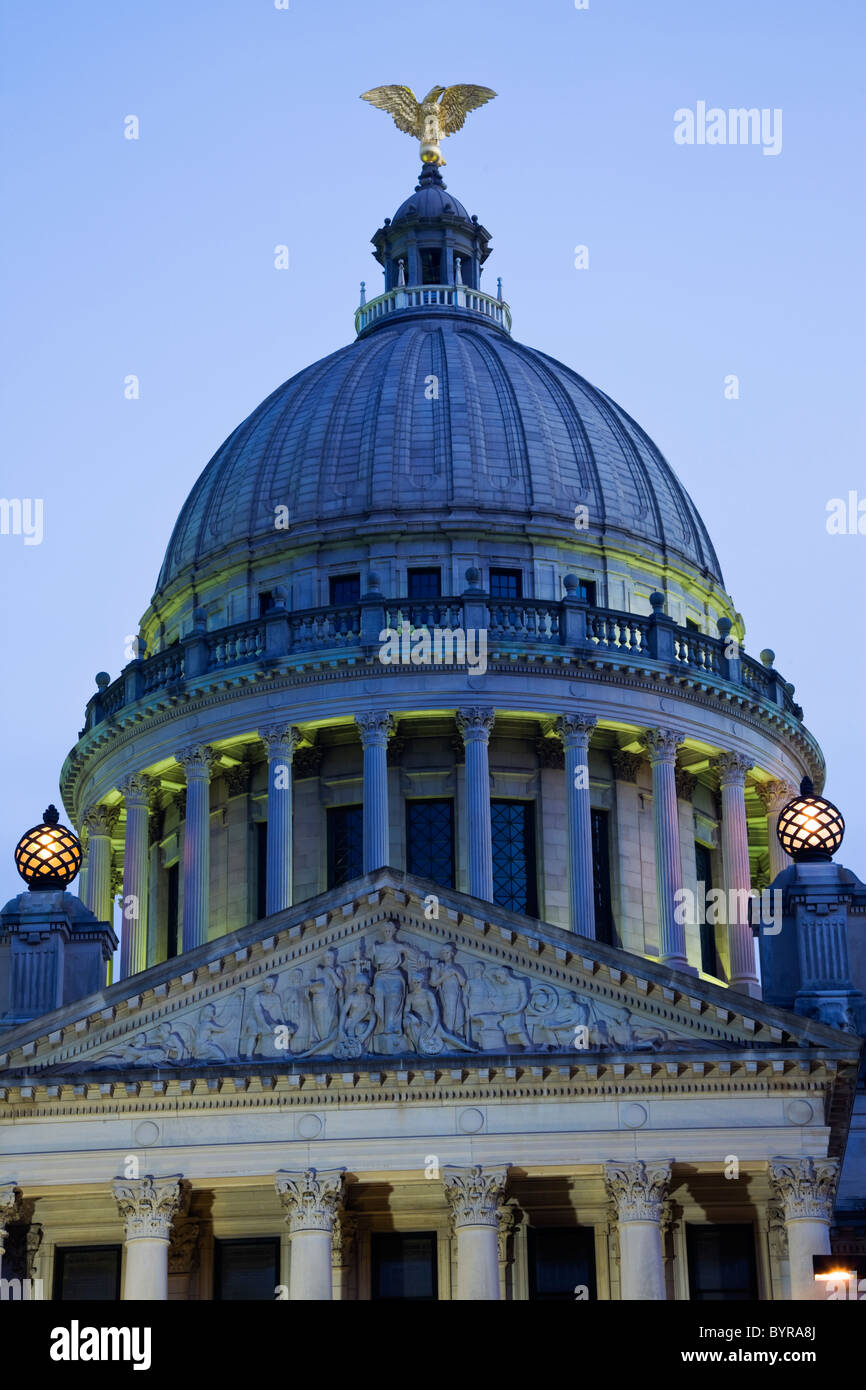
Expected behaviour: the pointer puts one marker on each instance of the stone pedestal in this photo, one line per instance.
(148, 1206)
(732, 768)
(280, 742)
(638, 1192)
(311, 1201)
(576, 731)
(662, 745)
(805, 1189)
(475, 726)
(197, 763)
(375, 728)
(476, 1196)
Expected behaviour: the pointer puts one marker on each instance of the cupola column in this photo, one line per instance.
(805, 1189)
(312, 1201)
(197, 763)
(475, 726)
(576, 731)
(280, 742)
(136, 791)
(774, 796)
(638, 1192)
(475, 1196)
(662, 745)
(732, 769)
(148, 1206)
(375, 728)
(99, 822)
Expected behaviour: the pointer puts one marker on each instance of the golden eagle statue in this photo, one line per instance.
(443, 110)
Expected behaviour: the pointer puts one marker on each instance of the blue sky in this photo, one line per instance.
(155, 257)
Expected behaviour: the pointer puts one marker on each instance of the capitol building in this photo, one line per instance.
(440, 732)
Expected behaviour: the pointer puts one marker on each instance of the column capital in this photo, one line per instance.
(626, 766)
(311, 1198)
(9, 1196)
(136, 789)
(686, 783)
(197, 761)
(638, 1190)
(575, 730)
(805, 1187)
(375, 727)
(774, 795)
(280, 740)
(662, 745)
(148, 1205)
(343, 1239)
(732, 769)
(475, 1194)
(475, 723)
(100, 819)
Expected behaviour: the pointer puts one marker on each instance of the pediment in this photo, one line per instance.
(373, 973)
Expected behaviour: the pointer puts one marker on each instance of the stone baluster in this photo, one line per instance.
(732, 769)
(662, 745)
(475, 726)
(476, 1196)
(197, 763)
(774, 796)
(147, 1206)
(375, 728)
(136, 791)
(805, 1189)
(280, 741)
(100, 822)
(638, 1192)
(576, 732)
(312, 1201)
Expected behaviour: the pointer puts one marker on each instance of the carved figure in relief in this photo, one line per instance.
(297, 1011)
(512, 996)
(554, 1015)
(327, 989)
(264, 1016)
(389, 988)
(449, 979)
(357, 1020)
(207, 1043)
(422, 1020)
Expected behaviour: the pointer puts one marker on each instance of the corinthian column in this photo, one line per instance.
(662, 745)
(375, 728)
(475, 725)
(774, 796)
(576, 731)
(732, 768)
(475, 1196)
(197, 763)
(638, 1192)
(312, 1201)
(280, 741)
(8, 1208)
(147, 1206)
(99, 822)
(805, 1189)
(136, 791)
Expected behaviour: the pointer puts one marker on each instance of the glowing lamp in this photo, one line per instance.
(809, 827)
(48, 856)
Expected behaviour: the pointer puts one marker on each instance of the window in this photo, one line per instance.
(430, 840)
(561, 1259)
(266, 601)
(345, 844)
(514, 880)
(692, 626)
(721, 1263)
(506, 584)
(172, 892)
(261, 827)
(246, 1269)
(425, 583)
(585, 591)
(404, 1266)
(345, 588)
(431, 259)
(88, 1273)
(704, 874)
(599, 821)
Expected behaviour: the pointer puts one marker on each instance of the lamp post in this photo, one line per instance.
(810, 829)
(48, 856)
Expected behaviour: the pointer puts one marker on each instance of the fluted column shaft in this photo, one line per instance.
(638, 1192)
(475, 1196)
(475, 726)
(100, 822)
(805, 1189)
(774, 795)
(375, 728)
(662, 745)
(311, 1200)
(148, 1206)
(136, 791)
(576, 731)
(732, 768)
(280, 742)
(197, 763)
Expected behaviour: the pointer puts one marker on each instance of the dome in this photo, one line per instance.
(430, 199)
(434, 416)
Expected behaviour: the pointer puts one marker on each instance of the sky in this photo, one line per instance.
(155, 258)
